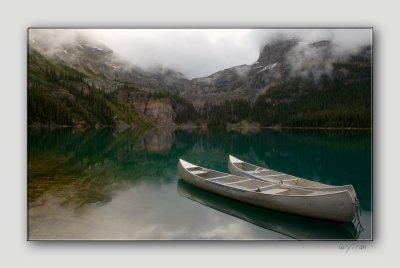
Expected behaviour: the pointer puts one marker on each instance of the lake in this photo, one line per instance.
(110, 184)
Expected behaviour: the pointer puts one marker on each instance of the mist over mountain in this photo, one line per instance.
(99, 63)
(198, 52)
(294, 63)
(279, 61)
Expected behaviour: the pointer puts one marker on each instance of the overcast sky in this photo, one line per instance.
(201, 52)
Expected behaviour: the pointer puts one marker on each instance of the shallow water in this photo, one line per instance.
(105, 184)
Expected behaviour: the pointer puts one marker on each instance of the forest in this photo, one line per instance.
(59, 95)
(339, 100)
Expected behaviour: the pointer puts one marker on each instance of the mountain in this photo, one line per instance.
(293, 83)
(83, 83)
(103, 69)
(278, 60)
(324, 91)
(59, 95)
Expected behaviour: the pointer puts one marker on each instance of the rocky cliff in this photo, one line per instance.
(279, 60)
(157, 111)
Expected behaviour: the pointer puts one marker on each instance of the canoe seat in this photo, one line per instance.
(194, 168)
(239, 181)
(257, 171)
(217, 178)
(274, 191)
(197, 172)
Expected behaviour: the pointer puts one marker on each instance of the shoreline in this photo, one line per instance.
(322, 128)
(197, 127)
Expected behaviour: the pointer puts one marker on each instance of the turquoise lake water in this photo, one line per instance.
(107, 184)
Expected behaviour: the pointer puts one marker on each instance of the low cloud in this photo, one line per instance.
(198, 52)
(309, 57)
(305, 58)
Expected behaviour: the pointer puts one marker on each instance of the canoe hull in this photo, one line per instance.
(334, 207)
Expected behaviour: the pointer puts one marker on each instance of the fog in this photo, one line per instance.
(199, 52)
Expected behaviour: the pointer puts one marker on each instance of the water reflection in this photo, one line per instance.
(290, 225)
(145, 211)
(104, 184)
(89, 166)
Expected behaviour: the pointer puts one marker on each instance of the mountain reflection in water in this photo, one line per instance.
(105, 184)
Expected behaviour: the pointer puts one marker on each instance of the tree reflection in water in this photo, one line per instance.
(79, 170)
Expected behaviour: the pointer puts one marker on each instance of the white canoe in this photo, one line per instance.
(337, 206)
(242, 168)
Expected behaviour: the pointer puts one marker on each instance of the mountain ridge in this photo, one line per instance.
(279, 64)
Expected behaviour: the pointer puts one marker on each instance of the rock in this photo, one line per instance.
(244, 81)
(62, 93)
(159, 112)
(244, 127)
(104, 85)
(276, 51)
(188, 125)
(140, 105)
(120, 124)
